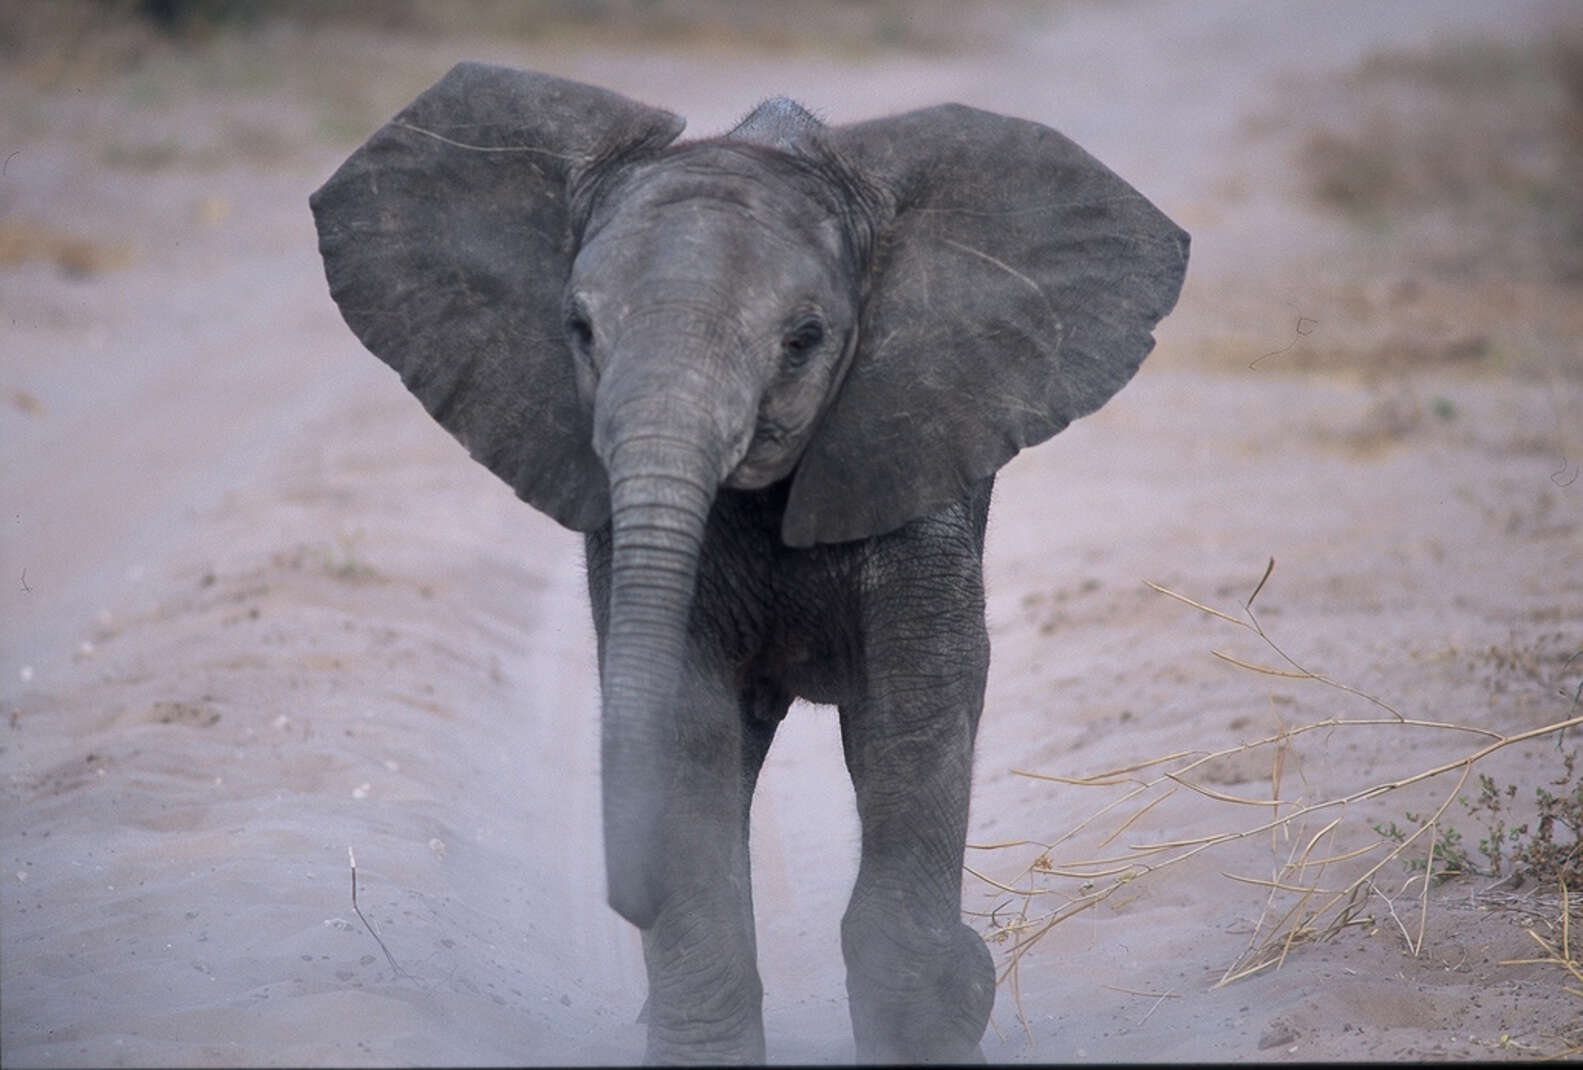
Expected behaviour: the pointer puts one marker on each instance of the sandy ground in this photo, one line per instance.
(256, 608)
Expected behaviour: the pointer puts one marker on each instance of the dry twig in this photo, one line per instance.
(1315, 912)
(352, 860)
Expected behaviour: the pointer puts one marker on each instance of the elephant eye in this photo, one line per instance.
(802, 340)
(579, 331)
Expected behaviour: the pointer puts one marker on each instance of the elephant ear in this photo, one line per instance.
(447, 239)
(1012, 289)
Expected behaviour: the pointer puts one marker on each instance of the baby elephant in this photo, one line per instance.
(770, 376)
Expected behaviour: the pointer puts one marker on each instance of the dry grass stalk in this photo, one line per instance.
(352, 861)
(1560, 953)
(1157, 997)
(1315, 912)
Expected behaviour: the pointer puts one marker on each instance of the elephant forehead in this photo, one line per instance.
(728, 186)
(694, 247)
(706, 251)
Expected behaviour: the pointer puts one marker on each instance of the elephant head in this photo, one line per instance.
(618, 326)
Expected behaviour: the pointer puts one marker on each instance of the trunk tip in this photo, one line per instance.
(632, 894)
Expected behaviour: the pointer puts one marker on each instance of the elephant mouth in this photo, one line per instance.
(770, 457)
(756, 475)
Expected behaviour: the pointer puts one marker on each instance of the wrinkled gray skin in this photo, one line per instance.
(770, 376)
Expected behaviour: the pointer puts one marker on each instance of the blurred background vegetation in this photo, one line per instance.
(1483, 140)
(822, 25)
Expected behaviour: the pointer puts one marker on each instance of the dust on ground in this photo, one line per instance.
(257, 609)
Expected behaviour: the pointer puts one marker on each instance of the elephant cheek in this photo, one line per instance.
(587, 377)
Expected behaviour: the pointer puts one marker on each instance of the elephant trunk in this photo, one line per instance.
(662, 486)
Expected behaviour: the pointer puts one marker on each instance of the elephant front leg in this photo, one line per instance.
(920, 983)
(705, 997)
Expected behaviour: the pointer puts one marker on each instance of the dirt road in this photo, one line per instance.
(255, 608)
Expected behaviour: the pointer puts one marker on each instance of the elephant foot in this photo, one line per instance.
(687, 1049)
(704, 1034)
(928, 1008)
(705, 1001)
